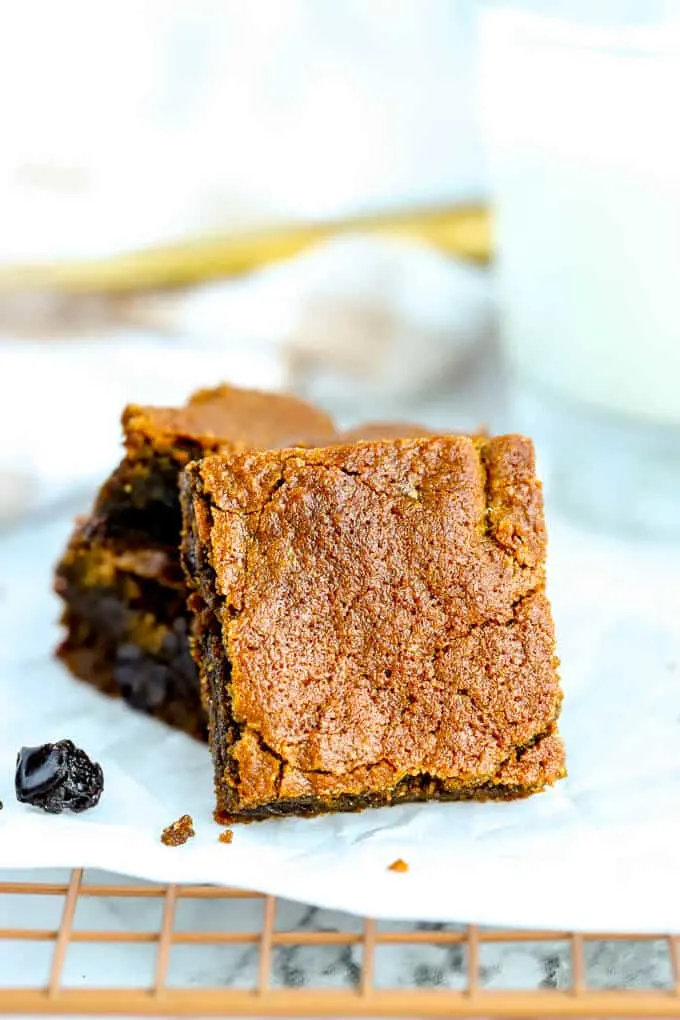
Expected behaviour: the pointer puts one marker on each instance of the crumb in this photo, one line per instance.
(398, 865)
(179, 832)
(226, 836)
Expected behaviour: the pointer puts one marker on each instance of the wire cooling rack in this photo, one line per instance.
(256, 987)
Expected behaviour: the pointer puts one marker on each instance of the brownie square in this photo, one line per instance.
(120, 579)
(371, 624)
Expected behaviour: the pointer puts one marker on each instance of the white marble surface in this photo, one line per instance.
(528, 965)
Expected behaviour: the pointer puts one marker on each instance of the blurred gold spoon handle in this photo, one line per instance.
(462, 231)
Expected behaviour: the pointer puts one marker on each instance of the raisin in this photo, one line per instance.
(190, 560)
(147, 680)
(176, 649)
(106, 612)
(58, 777)
(142, 680)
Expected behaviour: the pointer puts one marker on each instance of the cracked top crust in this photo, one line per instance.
(383, 609)
(229, 415)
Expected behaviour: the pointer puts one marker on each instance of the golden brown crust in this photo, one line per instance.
(383, 611)
(226, 415)
(371, 430)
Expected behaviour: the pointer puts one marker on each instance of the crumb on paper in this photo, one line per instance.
(398, 865)
(226, 836)
(179, 832)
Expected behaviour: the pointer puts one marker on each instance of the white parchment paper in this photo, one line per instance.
(598, 852)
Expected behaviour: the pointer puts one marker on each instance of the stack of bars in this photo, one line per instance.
(368, 610)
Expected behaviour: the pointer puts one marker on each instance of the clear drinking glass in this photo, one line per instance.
(581, 124)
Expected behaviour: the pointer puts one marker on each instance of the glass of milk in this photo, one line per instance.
(582, 123)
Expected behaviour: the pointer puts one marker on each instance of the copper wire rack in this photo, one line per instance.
(256, 986)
